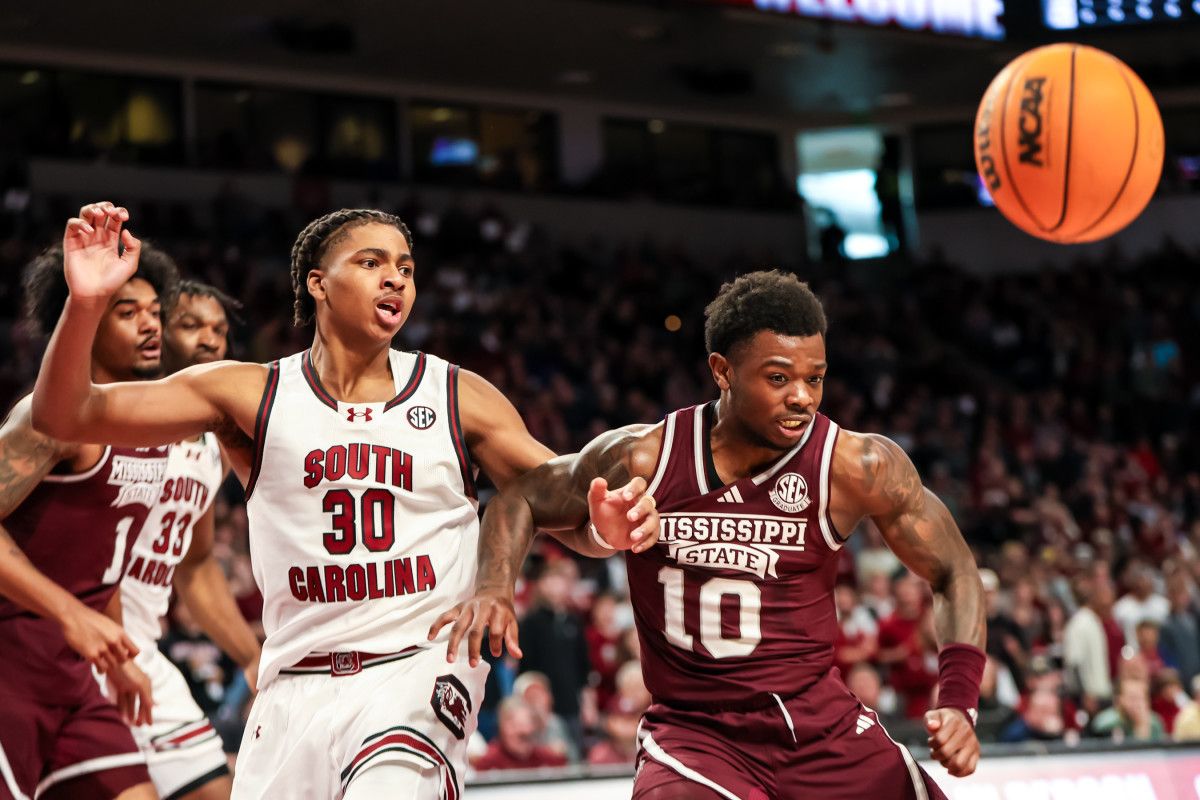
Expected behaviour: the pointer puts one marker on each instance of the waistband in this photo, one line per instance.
(346, 662)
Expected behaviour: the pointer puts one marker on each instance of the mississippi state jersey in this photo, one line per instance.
(193, 476)
(736, 598)
(78, 529)
(363, 516)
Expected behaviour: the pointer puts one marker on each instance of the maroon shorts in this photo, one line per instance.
(820, 743)
(57, 731)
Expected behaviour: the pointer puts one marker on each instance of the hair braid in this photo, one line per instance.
(315, 239)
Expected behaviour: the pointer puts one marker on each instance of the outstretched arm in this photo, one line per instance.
(67, 406)
(557, 496)
(919, 529)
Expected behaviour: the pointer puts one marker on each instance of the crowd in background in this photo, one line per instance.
(1056, 414)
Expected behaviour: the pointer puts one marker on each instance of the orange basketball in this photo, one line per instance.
(1069, 142)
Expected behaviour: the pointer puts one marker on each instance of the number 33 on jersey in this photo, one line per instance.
(393, 488)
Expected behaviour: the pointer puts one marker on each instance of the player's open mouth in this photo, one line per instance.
(390, 312)
(793, 427)
(151, 349)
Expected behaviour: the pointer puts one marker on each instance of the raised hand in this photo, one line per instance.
(93, 259)
(625, 518)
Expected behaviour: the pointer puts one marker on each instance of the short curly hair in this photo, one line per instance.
(315, 240)
(44, 283)
(761, 301)
(193, 288)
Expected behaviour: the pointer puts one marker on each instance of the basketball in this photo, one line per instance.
(1069, 142)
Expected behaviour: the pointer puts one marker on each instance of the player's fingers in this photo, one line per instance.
(645, 535)
(146, 707)
(445, 619)
(933, 721)
(510, 639)
(133, 245)
(949, 734)
(597, 491)
(79, 227)
(634, 488)
(458, 631)
(475, 639)
(496, 631)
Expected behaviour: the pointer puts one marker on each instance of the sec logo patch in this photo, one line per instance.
(421, 417)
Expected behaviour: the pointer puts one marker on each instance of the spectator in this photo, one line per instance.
(534, 689)
(1187, 723)
(1168, 697)
(1140, 602)
(604, 646)
(1005, 639)
(1041, 718)
(1180, 634)
(1146, 633)
(516, 747)
(1131, 718)
(1086, 645)
(908, 645)
(858, 631)
(622, 718)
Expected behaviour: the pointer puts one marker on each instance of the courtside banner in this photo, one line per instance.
(1114, 775)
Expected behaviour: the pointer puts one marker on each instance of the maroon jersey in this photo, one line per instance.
(79, 529)
(736, 599)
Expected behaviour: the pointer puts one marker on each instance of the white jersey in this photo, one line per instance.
(193, 477)
(363, 516)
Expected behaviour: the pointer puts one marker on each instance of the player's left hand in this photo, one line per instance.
(952, 741)
(492, 611)
(626, 518)
(130, 689)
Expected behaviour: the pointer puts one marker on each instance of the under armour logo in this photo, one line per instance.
(258, 732)
(353, 413)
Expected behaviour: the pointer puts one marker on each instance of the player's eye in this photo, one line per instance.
(778, 378)
(816, 380)
(370, 263)
(406, 271)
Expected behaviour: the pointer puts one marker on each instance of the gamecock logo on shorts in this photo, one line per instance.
(452, 704)
(790, 493)
(421, 417)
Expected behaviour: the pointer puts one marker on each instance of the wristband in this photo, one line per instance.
(960, 671)
(598, 538)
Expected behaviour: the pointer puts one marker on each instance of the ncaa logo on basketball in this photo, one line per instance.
(790, 493)
(421, 417)
(1029, 133)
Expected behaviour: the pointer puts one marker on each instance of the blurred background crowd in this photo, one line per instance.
(1056, 413)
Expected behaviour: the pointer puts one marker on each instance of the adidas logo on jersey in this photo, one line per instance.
(864, 723)
(731, 496)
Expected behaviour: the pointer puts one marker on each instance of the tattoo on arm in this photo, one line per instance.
(922, 533)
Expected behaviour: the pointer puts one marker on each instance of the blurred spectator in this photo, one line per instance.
(553, 643)
(908, 645)
(1141, 602)
(1168, 697)
(516, 747)
(1146, 645)
(1187, 723)
(622, 718)
(1004, 635)
(1041, 718)
(534, 689)
(1130, 718)
(604, 646)
(857, 630)
(1086, 645)
(1179, 639)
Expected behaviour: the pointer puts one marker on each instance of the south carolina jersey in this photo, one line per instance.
(363, 516)
(193, 477)
(79, 529)
(736, 598)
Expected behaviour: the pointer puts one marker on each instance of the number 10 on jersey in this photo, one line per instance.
(712, 591)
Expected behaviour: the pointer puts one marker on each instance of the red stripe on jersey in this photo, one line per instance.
(407, 742)
(260, 424)
(456, 432)
(176, 741)
(414, 380)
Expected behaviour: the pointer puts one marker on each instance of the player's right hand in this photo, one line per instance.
(131, 693)
(93, 262)
(100, 640)
(493, 611)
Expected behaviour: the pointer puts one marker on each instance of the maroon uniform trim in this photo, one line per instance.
(456, 432)
(403, 739)
(260, 424)
(314, 382)
(410, 388)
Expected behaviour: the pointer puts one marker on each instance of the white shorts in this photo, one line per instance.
(311, 735)
(183, 751)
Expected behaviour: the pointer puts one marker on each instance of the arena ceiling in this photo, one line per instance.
(667, 54)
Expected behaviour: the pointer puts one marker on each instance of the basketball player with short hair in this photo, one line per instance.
(183, 752)
(70, 515)
(757, 493)
(359, 465)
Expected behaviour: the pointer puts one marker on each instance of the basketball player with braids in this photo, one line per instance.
(174, 551)
(70, 515)
(757, 493)
(359, 467)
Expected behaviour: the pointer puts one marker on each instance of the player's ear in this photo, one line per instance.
(722, 370)
(316, 285)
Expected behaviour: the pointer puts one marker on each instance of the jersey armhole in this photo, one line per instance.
(828, 530)
(261, 421)
(456, 433)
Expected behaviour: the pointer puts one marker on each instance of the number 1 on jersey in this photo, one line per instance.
(711, 592)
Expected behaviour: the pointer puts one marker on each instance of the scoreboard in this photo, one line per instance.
(1066, 15)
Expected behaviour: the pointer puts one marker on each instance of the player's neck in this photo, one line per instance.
(352, 374)
(735, 451)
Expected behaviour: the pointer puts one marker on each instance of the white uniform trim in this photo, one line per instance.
(914, 772)
(664, 453)
(10, 780)
(82, 476)
(823, 506)
(656, 752)
(787, 717)
(762, 476)
(91, 765)
(698, 448)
